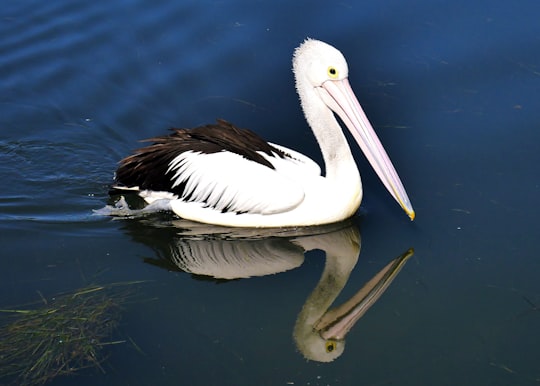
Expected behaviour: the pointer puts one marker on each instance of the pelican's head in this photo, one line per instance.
(321, 74)
(315, 348)
(319, 62)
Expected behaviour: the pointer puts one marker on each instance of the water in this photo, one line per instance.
(451, 88)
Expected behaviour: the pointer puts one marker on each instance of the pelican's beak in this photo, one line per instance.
(336, 323)
(339, 96)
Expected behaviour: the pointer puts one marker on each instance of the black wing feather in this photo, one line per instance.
(147, 167)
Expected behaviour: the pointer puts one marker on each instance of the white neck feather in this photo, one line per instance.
(336, 152)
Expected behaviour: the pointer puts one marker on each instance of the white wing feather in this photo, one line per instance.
(229, 182)
(304, 165)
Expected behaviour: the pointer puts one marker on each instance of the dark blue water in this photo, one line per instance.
(453, 89)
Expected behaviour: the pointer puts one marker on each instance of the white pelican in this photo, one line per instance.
(223, 175)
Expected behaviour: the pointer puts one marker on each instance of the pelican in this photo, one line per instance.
(220, 174)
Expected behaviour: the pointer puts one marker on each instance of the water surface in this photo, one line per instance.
(453, 92)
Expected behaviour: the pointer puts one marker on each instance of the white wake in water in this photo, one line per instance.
(121, 209)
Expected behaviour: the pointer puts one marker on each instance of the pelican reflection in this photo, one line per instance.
(236, 253)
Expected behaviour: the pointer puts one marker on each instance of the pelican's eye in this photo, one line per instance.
(332, 72)
(330, 345)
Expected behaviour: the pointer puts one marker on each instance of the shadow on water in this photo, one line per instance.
(222, 254)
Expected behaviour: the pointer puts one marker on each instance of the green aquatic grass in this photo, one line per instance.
(61, 336)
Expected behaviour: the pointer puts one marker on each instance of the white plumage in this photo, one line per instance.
(230, 183)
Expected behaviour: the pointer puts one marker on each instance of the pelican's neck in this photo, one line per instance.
(342, 250)
(334, 277)
(336, 152)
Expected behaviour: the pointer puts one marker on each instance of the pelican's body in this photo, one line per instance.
(223, 175)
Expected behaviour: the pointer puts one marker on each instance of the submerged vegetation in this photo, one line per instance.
(62, 335)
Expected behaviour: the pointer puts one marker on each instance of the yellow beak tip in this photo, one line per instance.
(412, 215)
